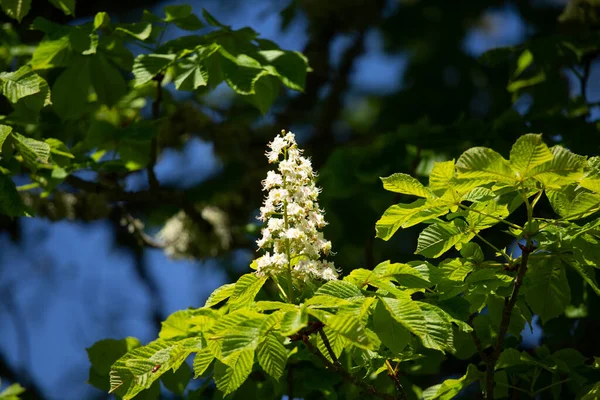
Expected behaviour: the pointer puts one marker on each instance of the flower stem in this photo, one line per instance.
(290, 294)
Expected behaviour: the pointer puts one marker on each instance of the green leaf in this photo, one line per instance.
(230, 376)
(405, 184)
(472, 251)
(182, 17)
(406, 215)
(484, 165)
(12, 392)
(272, 355)
(339, 289)
(293, 321)
(21, 83)
(190, 73)
(186, 323)
(546, 288)
(137, 30)
(71, 89)
(219, 294)
(528, 152)
(573, 202)
(424, 320)
(582, 267)
(451, 387)
(441, 175)
(102, 356)
(350, 328)
(241, 337)
(202, 361)
(593, 393)
(336, 342)
(66, 6)
(101, 20)
(266, 91)
(16, 9)
(564, 168)
(52, 53)
(5, 131)
(147, 66)
(289, 66)
(484, 215)
(140, 368)
(177, 381)
(241, 72)
(438, 238)
(390, 332)
(107, 80)
(11, 203)
(245, 290)
(33, 151)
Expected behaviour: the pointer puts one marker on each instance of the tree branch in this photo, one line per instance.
(509, 305)
(152, 180)
(336, 367)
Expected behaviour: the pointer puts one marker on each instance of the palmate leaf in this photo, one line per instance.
(389, 330)
(272, 355)
(484, 165)
(350, 328)
(230, 376)
(219, 294)
(481, 215)
(584, 263)
(140, 368)
(225, 325)
(564, 168)
(406, 215)
(202, 361)
(289, 66)
(147, 66)
(245, 290)
(5, 132)
(186, 323)
(528, 152)
(241, 337)
(339, 289)
(441, 175)
(405, 184)
(573, 202)
(425, 321)
(438, 238)
(451, 387)
(21, 83)
(546, 288)
(190, 73)
(293, 321)
(33, 151)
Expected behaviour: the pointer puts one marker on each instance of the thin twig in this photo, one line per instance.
(345, 374)
(476, 339)
(509, 305)
(328, 345)
(393, 374)
(152, 180)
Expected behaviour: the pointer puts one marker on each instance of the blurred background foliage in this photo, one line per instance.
(395, 85)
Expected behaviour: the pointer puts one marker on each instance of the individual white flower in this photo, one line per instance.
(292, 216)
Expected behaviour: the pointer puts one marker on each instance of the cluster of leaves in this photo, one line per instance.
(12, 392)
(87, 79)
(375, 328)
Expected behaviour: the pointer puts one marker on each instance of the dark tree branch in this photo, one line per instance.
(336, 367)
(152, 180)
(136, 228)
(328, 346)
(476, 340)
(509, 305)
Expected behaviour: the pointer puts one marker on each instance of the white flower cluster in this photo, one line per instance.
(292, 216)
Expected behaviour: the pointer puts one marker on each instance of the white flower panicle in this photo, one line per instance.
(291, 237)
